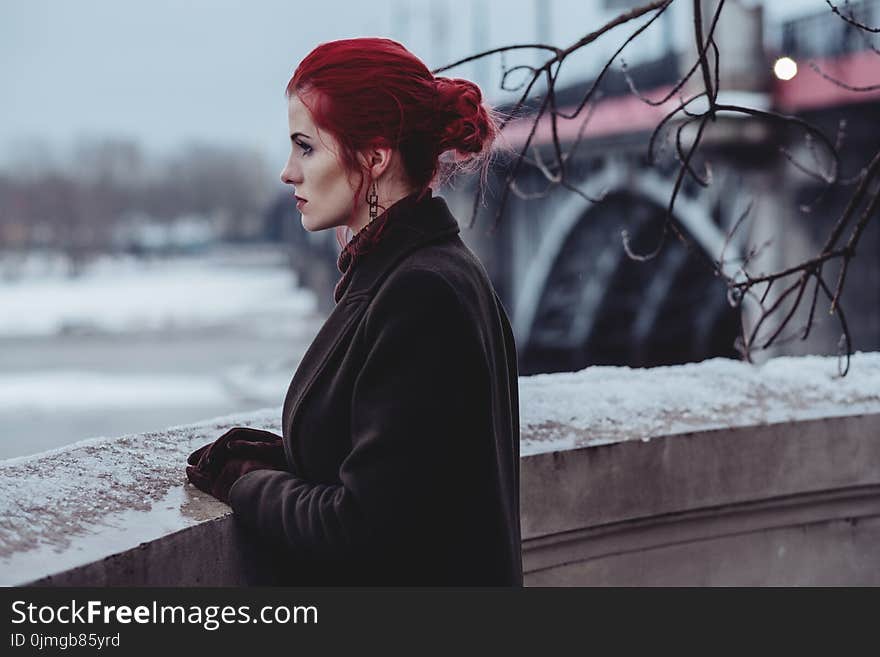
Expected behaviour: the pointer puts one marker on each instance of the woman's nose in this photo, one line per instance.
(289, 176)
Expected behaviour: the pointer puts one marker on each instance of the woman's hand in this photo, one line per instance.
(218, 485)
(241, 441)
(214, 467)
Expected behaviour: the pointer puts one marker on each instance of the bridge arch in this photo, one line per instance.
(583, 301)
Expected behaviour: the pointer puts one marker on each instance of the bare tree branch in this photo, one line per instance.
(687, 122)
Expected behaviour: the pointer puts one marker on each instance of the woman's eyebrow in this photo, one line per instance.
(299, 134)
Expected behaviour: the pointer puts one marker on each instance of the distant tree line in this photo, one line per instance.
(74, 205)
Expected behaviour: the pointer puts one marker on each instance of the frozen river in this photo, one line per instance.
(54, 391)
(133, 348)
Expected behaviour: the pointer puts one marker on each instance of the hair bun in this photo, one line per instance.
(468, 125)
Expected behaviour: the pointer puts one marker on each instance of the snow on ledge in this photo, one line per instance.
(600, 405)
(82, 502)
(79, 503)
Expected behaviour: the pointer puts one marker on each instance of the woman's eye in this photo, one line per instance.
(305, 147)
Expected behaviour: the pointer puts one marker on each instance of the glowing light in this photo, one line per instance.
(785, 68)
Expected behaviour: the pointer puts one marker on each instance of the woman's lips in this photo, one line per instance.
(300, 202)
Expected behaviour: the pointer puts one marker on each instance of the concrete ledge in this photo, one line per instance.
(786, 504)
(211, 553)
(714, 473)
(608, 484)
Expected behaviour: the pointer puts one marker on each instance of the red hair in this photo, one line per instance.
(372, 91)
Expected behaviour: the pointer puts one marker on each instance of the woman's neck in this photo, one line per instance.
(385, 201)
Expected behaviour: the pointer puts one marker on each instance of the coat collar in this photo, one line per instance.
(412, 223)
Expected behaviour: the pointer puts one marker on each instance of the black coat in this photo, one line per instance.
(401, 425)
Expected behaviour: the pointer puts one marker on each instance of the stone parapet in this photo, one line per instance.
(713, 473)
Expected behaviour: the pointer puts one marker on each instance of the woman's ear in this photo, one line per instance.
(376, 159)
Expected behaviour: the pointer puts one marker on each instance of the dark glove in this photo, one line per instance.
(218, 485)
(247, 442)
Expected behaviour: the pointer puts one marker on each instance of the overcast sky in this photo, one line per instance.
(164, 71)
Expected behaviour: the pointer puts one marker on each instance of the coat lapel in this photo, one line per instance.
(413, 225)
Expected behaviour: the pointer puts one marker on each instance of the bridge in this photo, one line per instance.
(575, 297)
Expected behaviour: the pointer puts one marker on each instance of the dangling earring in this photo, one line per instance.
(373, 200)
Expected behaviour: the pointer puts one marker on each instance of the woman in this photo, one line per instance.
(399, 461)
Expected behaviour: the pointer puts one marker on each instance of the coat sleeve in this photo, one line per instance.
(407, 406)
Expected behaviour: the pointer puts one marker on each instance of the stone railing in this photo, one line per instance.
(716, 473)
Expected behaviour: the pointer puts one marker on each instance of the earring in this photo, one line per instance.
(373, 200)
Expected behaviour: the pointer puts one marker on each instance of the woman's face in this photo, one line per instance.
(314, 169)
